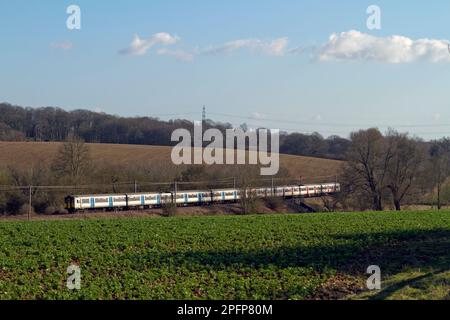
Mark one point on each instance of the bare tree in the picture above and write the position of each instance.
(368, 161)
(247, 182)
(440, 165)
(404, 166)
(72, 159)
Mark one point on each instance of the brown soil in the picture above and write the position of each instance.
(27, 154)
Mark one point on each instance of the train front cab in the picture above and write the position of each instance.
(70, 204)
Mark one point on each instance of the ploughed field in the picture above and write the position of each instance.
(317, 256)
(26, 154)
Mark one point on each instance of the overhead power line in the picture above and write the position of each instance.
(328, 124)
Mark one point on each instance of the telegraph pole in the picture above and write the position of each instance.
(29, 205)
(273, 191)
(203, 125)
(204, 115)
(175, 193)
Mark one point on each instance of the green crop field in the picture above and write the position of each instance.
(229, 257)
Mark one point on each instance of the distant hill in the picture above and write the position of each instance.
(25, 154)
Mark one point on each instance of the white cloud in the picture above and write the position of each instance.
(259, 116)
(139, 47)
(355, 45)
(275, 47)
(64, 46)
(177, 54)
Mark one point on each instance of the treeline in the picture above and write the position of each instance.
(55, 124)
(387, 171)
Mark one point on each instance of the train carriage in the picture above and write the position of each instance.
(144, 200)
(135, 200)
(195, 197)
(278, 192)
(152, 199)
(181, 198)
(288, 191)
(225, 195)
(261, 192)
(205, 197)
(91, 202)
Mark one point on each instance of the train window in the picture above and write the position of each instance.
(85, 201)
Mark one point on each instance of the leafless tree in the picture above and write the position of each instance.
(369, 157)
(72, 159)
(404, 166)
(247, 182)
(439, 165)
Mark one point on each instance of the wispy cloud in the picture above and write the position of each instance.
(355, 45)
(177, 54)
(275, 47)
(436, 116)
(64, 46)
(139, 46)
(259, 116)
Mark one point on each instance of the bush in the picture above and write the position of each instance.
(169, 209)
(274, 203)
(15, 204)
(50, 210)
(25, 209)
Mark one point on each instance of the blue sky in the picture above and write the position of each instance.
(273, 63)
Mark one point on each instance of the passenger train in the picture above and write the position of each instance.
(147, 200)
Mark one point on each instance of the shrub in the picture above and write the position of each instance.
(274, 203)
(15, 204)
(25, 209)
(169, 209)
